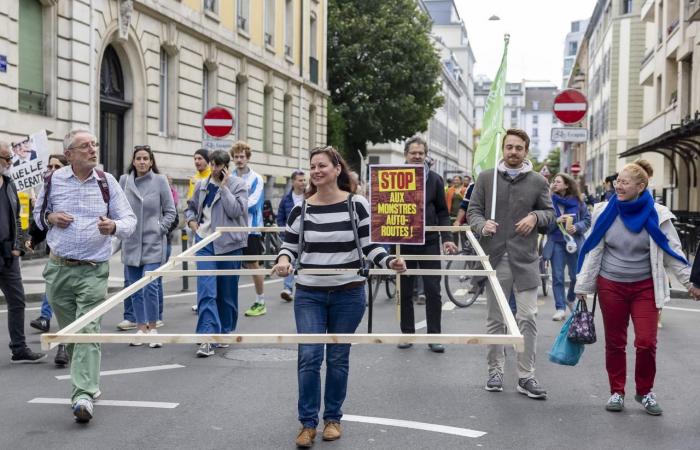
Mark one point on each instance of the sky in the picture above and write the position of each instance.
(537, 31)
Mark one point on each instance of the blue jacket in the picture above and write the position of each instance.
(284, 209)
(582, 222)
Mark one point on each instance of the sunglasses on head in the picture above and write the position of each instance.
(142, 147)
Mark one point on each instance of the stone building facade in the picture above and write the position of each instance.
(143, 72)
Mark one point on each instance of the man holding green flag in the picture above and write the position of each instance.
(509, 236)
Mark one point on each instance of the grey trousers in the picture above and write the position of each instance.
(526, 302)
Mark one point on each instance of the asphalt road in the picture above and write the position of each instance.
(245, 397)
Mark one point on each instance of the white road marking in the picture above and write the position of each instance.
(133, 404)
(134, 370)
(185, 294)
(36, 308)
(466, 432)
(422, 324)
(448, 306)
(676, 308)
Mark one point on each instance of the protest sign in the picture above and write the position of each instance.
(397, 204)
(29, 160)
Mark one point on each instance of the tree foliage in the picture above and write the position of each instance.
(383, 70)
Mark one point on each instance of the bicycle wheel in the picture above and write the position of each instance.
(463, 290)
(390, 287)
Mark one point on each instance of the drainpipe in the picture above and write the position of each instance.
(93, 106)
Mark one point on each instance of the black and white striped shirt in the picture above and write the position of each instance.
(329, 242)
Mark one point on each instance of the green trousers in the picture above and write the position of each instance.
(73, 291)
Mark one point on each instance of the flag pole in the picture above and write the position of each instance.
(495, 178)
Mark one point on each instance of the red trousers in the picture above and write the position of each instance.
(619, 302)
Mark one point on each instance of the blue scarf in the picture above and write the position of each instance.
(567, 204)
(635, 214)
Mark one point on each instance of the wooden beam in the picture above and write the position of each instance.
(229, 272)
(273, 257)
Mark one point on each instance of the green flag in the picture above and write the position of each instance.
(487, 149)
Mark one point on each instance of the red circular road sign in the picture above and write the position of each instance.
(576, 168)
(217, 122)
(570, 106)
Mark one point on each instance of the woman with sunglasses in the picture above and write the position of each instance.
(36, 237)
(328, 303)
(149, 195)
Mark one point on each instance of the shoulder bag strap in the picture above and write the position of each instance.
(351, 213)
(45, 203)
(300, 243)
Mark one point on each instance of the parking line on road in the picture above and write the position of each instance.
(247, 285)
(676, 308)
(126, 371)
(448, 306)
(422, 324)
(129, 403)
(466, 432)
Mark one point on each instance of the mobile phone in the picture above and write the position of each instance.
(222, 173)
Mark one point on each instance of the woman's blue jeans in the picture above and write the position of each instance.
(144, 302)
(325, 312)
(561, 258)
(217, 295)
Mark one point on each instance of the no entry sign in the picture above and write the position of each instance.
(217, 122)
(570, 106)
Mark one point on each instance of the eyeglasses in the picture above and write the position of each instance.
(85, 145)
(6, 158)
(623, 183)
(142, 147)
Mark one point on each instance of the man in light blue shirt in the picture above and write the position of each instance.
(82, 208)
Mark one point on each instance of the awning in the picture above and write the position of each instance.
(683, 140)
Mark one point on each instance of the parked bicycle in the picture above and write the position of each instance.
(463, 290)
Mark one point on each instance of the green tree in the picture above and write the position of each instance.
(383, 71)
(554, 160)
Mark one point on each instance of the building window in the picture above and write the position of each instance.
(205, 89)
(270, 22)
(211, 6)
(287, 136)
(573, 48)
(241, 108)
(243, 14)
(535, 119)
(535, 132)
(575, 26)
(626, 6)
(313, 61)
(312, 126)
(32, 97)
(513, 113)
(268, 118)
(163, 93)
(288, 27)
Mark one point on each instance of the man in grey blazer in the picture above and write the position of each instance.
(523, 204)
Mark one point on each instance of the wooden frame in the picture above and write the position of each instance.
(71, 333)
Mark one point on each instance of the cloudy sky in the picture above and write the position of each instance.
(537, 30)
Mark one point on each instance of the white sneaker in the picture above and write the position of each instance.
(137, 344)
(154, 344)
(205, 350)
(159, 323)
(126, 325)
(559, 315)
(194, 309)
(286, 295)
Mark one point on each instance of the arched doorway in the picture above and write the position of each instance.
(113, 108)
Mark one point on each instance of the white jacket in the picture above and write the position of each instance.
(586, 280)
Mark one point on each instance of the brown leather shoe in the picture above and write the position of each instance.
(305, 438)
(332, 431)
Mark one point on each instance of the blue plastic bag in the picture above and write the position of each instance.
(564, 351)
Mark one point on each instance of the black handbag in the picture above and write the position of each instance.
(582, 329)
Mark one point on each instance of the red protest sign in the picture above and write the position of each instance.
(397, 204)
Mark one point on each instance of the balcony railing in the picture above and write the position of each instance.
(313, 69)
(32, 101)
(671, 28)
(647, 57)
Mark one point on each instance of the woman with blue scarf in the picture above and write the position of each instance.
(564, 238)
(625, 259)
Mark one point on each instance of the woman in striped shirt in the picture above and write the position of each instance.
(327, 303)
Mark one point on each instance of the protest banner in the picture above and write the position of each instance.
(29, 160)
(397, 204)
